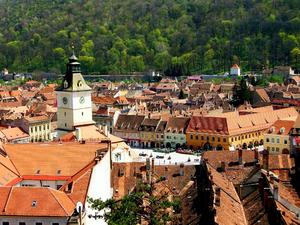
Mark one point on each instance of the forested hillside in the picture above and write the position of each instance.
(120, 36)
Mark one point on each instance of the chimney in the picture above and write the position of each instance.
(78, 134)
(265, 160)
(148, 172)
(217, 196)
(275, 191)
(240, 152)
(223, 166)
(181, 171)
(152, 165)
(256, 154)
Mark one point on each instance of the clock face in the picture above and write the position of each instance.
(81, 100)
(65, 100)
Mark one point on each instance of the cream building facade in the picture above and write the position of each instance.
(74, 104)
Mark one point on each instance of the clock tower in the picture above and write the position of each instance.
(74, 104)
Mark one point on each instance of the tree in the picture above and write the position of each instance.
(241, 93)
(144, 204)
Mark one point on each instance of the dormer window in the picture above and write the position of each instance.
(34, 203)
(66, 84)
(79, 84)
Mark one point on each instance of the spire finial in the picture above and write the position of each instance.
(73, 57)
(72, 46)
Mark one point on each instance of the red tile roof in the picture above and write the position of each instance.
(214, 125)
(27, 201)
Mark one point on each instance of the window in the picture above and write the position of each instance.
(267, 140)
(65, 114)
(40, 128)
(278, 140)
(38, 223)
(207, 138)
(213, 139)
(202, 138)
(65, 125)
(55, 223)
(5, 223)
(273, 149)
(82, 113)
(161, 136)
(22, 223)
(272, 140)
(277, 149)
(235, 138)
(196, 137)
(285, 142)
(35, 128)
(191, 137)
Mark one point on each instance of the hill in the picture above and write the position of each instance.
(118, 36)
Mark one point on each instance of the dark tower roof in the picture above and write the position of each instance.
(73, 80)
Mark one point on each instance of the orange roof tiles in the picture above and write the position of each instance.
(237, 124)
(37, 119)
(35, 202)
(49, 158)
(230, 211)
(213, 125)
(235, 66)
(282, 127)
(14, 133)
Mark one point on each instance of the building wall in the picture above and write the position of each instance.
(148, 139)
(36, 183)
(235, 71)
(15, 220)
(100, 187)
(226, 141)
(20, 140)
(276, 143)
(40, 131)
(73, 112)
(246, 138)
(174, 139)
(197, 140)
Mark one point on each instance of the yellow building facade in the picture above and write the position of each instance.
(277, 139)
(230, 131)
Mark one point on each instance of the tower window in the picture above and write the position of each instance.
(65, 124)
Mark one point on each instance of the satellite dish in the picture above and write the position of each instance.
(79, 207)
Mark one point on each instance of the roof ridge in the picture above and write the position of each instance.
(82, 170)
(13, 164)
(6, 202)
(224, 176)
(10, 169)
(52, 193)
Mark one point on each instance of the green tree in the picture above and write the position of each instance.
(141, 205)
